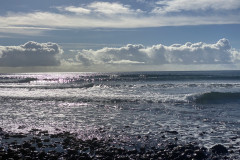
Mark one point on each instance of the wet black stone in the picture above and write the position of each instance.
(219, 149)
(204, 149)
(180, 148)
(34, 130)
(46, 140)
(43, 132)
(172, 132)
(21, 127)
(107, 153)
(231, 151)
(53, 136)
(174, 154)
(85, 149)
(38, 140)
(68, 147)
(18, 136)
(122, 157)
(32, 148)
(199, 154)
(121, 150)
(52, 145)
(233, 138)
(215, 158)
(84, 156)
(171, 146)
(57, 129)
(134, 151)
(189, 151)
(41, 155)
(72, 151)
(24, 151)
(67, 141)
(39, 144)
(142, 150)
(26, 145)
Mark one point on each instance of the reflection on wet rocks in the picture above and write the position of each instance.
(39, 144)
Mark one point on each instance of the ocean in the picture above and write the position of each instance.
(132, 107)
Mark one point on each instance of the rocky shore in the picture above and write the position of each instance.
(38, 144)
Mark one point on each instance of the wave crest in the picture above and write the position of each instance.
(218, 97)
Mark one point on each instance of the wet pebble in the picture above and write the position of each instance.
(26, 145)
(66, 146)
(172, 132)
(219, 149)
(46, 140)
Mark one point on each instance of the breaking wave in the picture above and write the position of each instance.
(106, 100)
(217, 98)
(203, 98)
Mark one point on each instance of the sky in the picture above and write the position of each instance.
(123, 35)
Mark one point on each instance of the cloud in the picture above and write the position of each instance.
(104, 8)
(118, 15)
(30, 54)
(110, 8)
(77, 10)
(125, 62)
(166, 6)
(127, 54)
(187, 54)
(33, 56)
(38, 22)
(96, 10)
(30, 31)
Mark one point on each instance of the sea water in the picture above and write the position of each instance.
(132, 107)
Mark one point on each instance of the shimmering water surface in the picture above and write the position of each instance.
(200, 106)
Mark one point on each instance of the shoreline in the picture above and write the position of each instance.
(39, 144)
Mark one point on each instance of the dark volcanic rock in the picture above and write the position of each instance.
(26, 145)
(219, 149)
(18, 136)
(199, 154)
(172, 132)
(65, 145)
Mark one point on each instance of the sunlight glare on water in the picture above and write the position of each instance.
(124, 105)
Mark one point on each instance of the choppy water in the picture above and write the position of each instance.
(200, 106)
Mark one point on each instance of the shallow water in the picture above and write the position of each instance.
(131, 107)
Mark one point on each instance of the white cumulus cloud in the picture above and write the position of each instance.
(127, 54)
(189, 53)
(30, 54)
